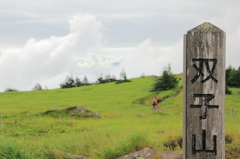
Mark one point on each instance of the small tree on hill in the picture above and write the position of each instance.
(77, 82)
(227, 73)
(100, 80)
(107, 78)
(113, 78)
(37, 87)
(166, 81)
(85, 81)
(68, 83)
(10, 90)
(123, 77)
(233, 77)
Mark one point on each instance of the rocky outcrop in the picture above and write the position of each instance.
(77, 112)
(145, 153)
(171, 155)
(75, 156)
(60, 154)
(148, 153)
(80, 109)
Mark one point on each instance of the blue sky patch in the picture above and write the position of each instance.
(115, 63)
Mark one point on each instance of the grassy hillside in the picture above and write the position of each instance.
(127, 122)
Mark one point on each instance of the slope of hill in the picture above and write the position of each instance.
(127, 122)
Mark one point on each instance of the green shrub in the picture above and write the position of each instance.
(10, 90)
(227, 90)
(228, 139)
(166, 82)
(122, 81)
(233, 77)
(11, 150)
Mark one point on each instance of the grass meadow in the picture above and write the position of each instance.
(127, 122)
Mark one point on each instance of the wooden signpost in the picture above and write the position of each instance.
(204, 93)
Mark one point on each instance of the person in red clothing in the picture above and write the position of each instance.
(154, 103)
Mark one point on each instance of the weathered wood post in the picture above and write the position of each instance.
(204, 92)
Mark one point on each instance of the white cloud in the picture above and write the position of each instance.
(49, 59)
(150, 59)
(100, 61)
(117, 49)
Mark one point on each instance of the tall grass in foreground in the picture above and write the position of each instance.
(99, 138)
(10, 149)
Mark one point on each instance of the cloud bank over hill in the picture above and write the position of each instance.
(150, 59)
(49, 60)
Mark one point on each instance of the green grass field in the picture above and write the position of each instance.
(127, 122)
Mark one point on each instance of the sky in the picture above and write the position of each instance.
(46, 41)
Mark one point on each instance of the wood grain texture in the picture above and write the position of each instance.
(206, 45)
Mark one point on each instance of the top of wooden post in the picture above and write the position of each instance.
(206, 27)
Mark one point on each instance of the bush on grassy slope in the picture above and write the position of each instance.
(166, 82)
(10, 90)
